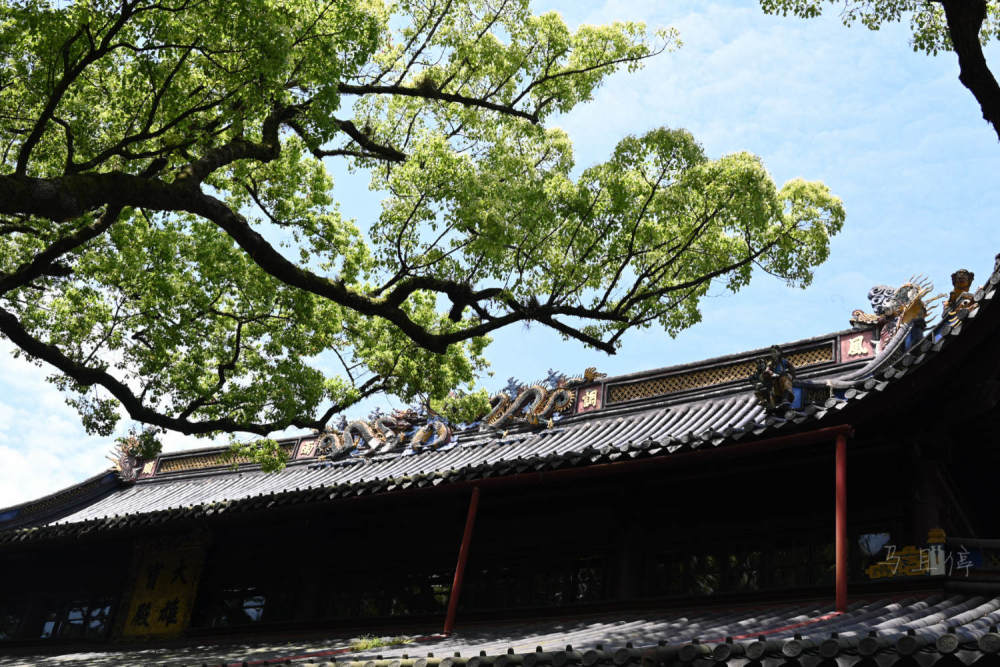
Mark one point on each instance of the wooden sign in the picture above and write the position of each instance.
(163, 589)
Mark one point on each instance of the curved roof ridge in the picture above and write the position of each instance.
(662, 426)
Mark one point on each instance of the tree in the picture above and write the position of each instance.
(171, 245)
(962, 26)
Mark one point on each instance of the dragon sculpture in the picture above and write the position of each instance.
(361, 437)
(425, 431)
(124, 460)
(432, 435)
(895, 308)
(381, 435)
(535, 403)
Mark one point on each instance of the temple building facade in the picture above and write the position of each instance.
(827, 499)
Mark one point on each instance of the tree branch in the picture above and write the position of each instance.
(71, 72)
(387, 152)
(86, 376)
(430, 93)
(42, 263)
(72, 196)
(240, 149)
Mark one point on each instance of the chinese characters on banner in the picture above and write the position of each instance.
(930, 560)
(164, 589)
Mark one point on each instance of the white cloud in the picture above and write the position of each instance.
(42, 446)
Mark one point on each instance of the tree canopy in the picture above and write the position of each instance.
(170, 239)
(962, 26)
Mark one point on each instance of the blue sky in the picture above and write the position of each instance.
(892, 132)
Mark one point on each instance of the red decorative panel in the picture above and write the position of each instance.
(858, 345)
(307, 449)
(588, 398)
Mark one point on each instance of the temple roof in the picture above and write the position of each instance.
(927, 627)
(658, 414)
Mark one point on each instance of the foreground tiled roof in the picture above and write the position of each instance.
(686, 417)
(927, 628)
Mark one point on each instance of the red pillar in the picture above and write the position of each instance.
(463, 556)
(841, 522)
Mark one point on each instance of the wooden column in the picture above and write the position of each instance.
(463, 557)
(841, 522)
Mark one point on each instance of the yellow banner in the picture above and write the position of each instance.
(164, 589)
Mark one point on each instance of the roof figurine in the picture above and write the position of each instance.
(133, 452)
(124, 459)
(773, 381)
(960, 297)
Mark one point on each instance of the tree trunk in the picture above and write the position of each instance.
(965, 18)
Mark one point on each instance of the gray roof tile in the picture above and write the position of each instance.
(888, 629)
